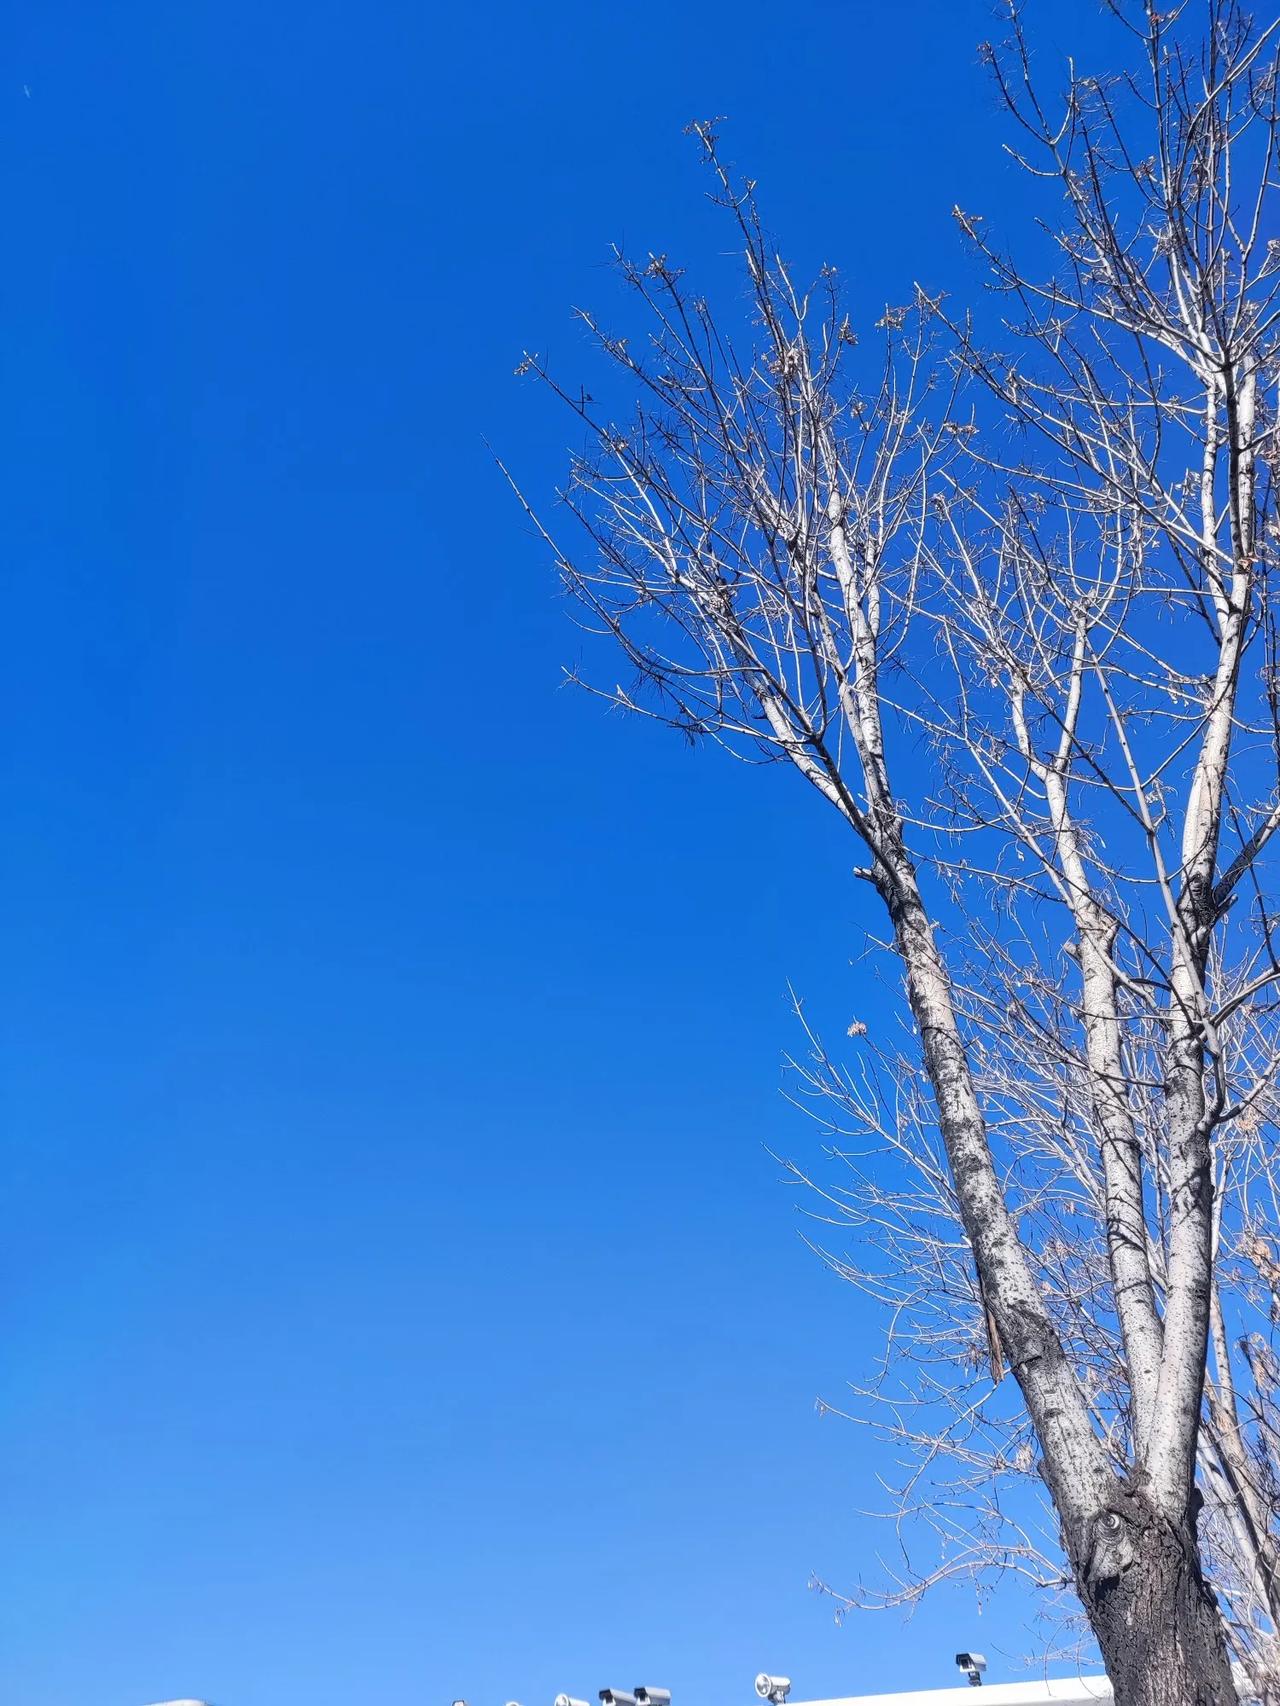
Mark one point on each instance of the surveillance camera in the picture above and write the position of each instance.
(773, 1688)
(617, 1697)
(568, 1700)
(972, 1665)
(653, 1696)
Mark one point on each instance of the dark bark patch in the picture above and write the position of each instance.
(1156, 1620)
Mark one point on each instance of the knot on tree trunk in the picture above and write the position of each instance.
(1157, 1622)
(1119, 1536)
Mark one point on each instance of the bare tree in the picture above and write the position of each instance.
(969, 1466)
(1042, 542)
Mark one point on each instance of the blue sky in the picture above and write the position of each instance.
(400, 1302)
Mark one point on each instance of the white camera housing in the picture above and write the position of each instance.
(972, 1665)
(653, 1696)
(568, 1700)
(774, 1688)
(617, 1697)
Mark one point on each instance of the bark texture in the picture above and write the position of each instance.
(1157, 1621)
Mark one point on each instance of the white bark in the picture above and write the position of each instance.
(1080, 605)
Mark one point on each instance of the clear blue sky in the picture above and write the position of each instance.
(400, 1303)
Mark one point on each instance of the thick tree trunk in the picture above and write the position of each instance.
(1155, 1619)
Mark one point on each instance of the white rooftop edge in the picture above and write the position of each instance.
(1063, 1691)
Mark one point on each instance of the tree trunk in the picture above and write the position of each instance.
(1156, 1620)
